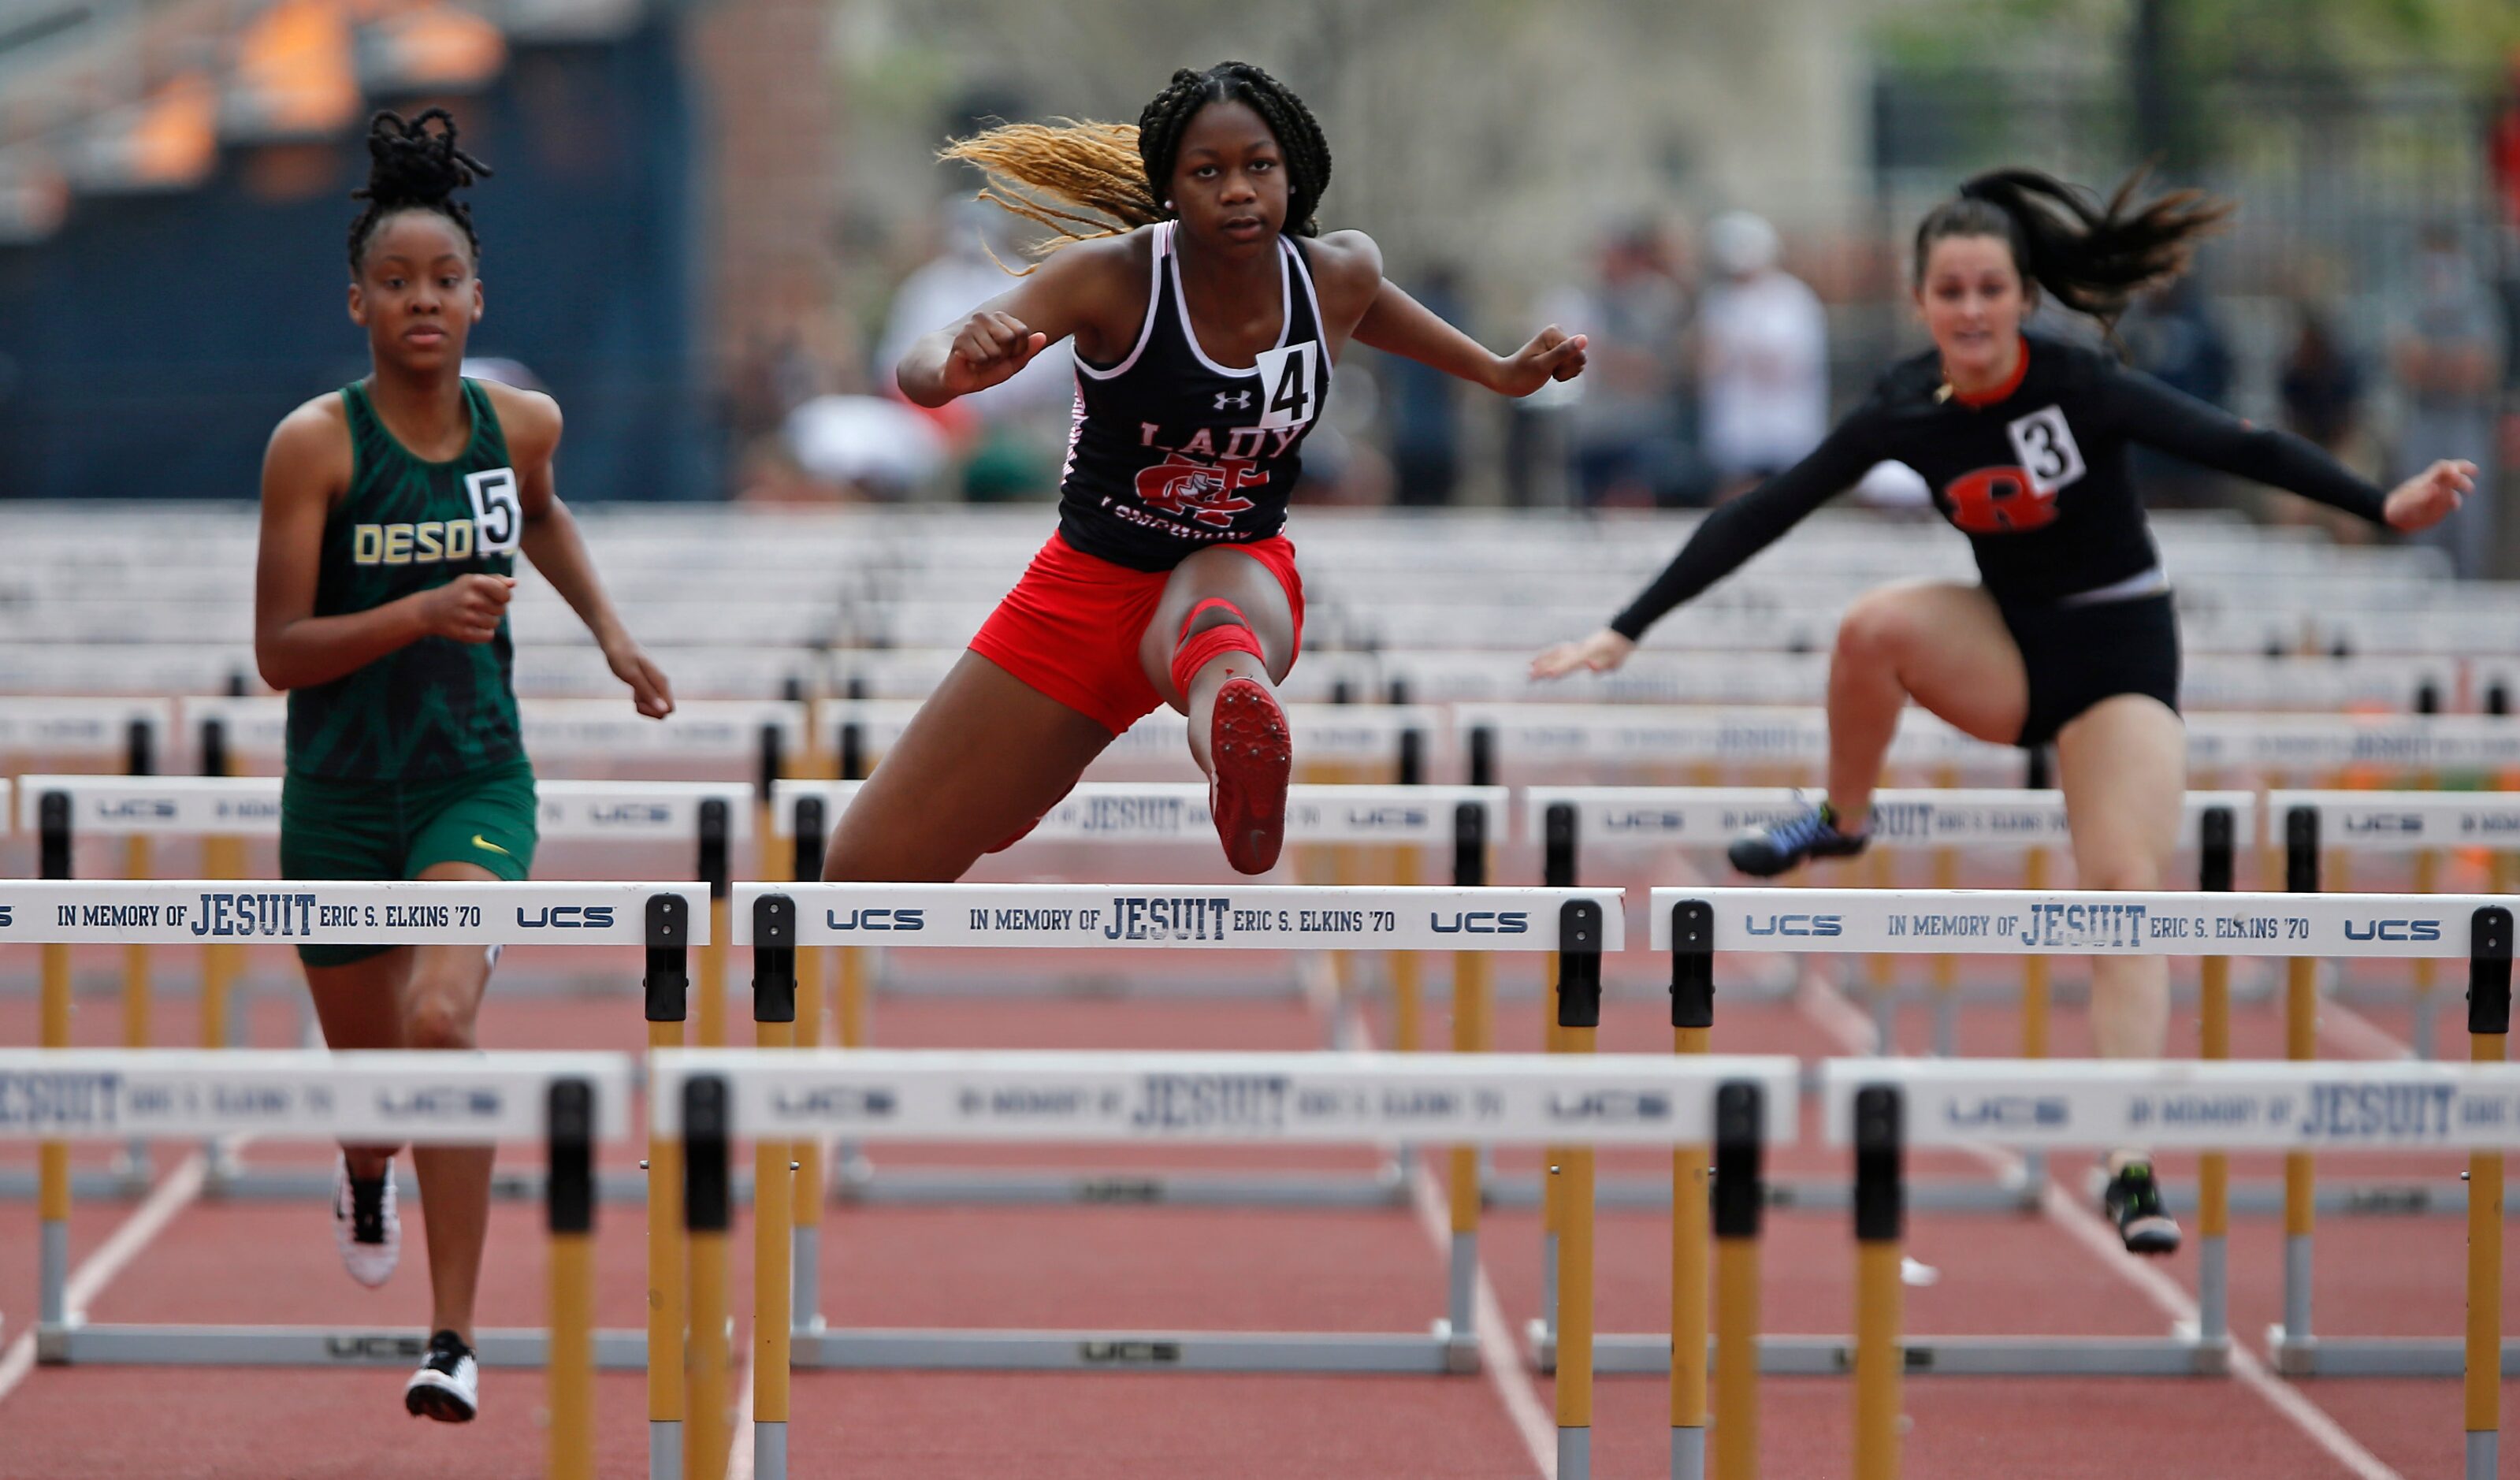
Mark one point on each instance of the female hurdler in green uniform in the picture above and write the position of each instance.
(392, 512)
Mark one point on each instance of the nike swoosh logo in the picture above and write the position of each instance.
(478, 841)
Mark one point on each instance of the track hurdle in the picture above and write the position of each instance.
(568, 1102)
(1883, 1106)
(1904, 819)
(1575, 924)
(310, 1095)
(55, 915)
(2425, 825)
(1406, 818)
(139, 808)
(1224, 1098)
(2065, 922)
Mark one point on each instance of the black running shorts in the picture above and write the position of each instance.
(2078, 655)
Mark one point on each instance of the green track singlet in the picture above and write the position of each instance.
(437, 707)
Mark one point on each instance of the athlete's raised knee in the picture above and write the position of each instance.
(1877, 629)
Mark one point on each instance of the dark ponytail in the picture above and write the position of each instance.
(409, 168)
(2093, 258)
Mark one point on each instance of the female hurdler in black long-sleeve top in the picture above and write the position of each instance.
(2033, 471)
(2069, 636)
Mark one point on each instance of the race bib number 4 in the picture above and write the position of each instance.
(1291, 385)
(498, 514)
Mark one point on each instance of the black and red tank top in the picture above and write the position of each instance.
(1172, 452)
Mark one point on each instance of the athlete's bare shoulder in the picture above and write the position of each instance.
(1095, 290)
(310, 448)
(528, 419)
(1347, 272)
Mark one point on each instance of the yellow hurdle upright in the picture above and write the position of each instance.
(668, 990)
(1578, 1021)
(2489, 1026)
(1740, 1198)
(569, 1194)
(774, 1017)
(706, 1217)
(1692, 1020)
(1879, 1226)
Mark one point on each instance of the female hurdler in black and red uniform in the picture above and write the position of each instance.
(1206, 323)
(2068, 635)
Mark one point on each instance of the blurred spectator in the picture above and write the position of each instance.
(1627, 444)
(2173, 336)
(867, 446)
(2320, 384)
(1763, 357)
(1010, 437)
(2448, 364)
(1425, 406)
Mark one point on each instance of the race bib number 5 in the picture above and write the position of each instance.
(1291, 385)
(498, 514)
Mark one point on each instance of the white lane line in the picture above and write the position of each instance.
(2085, 1227)
(2101, 1241)
(167, 1198)
(1532, 1420)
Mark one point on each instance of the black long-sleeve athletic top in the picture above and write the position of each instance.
(2033, 472)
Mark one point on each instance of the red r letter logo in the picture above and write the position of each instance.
(1999, 501)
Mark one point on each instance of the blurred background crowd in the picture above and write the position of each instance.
(713, 227)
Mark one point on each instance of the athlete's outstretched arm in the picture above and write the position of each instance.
(1399, 324)
(1722, 542)
(550, 539)
(1357, 303)
(307, 465)
(1074, 292)
(2157, 416)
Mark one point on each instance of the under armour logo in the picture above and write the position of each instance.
(1239, 400)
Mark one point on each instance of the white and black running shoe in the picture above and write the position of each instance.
(448, 1385)
(2134, 1202)
(365, 1224)
(1786, 845)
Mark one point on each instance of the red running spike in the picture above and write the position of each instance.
(1252, 752)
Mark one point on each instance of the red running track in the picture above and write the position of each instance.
(1337, 1271)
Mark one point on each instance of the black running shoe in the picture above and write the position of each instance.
(2134, 1201)
(1773, 850)
(448, 1385)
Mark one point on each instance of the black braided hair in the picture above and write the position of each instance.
(2095, 257)
(409, 168)
(1308, 154)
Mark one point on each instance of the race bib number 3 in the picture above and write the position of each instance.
(1291, 385)
(2046, 446)
(498, 514)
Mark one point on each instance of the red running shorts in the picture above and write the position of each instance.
(1071, 627)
